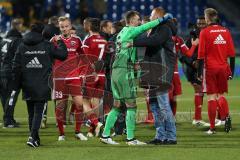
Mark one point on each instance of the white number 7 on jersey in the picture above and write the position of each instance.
(102, 47)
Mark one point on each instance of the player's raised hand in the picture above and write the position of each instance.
(57, 38)
(195, 42)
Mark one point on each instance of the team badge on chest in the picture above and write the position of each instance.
(73, 43)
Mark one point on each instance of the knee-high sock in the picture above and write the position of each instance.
(59, 111)
(212, 109)
(93, 118)
(131, 122)
(72, 110)
(198, 101)
(78, 119)
(150, 115)
(111, 119)
(223, 107)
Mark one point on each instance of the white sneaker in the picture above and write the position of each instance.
(206, 124)
(108, 140)
(135, 142)
(61, 138)
(114, 134)
(218, 122)
(199, 123)
(90, 134)
(98, 129)
(210, 132)
(81, 137)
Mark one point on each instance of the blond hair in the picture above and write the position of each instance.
(211, 14)
(63, 18)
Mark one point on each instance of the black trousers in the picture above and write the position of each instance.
(35, 114)
(6, 97)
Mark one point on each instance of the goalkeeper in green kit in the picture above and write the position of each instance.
(123, 80)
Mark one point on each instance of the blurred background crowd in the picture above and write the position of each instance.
(186, 11)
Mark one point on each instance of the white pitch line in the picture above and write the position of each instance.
(145, 112)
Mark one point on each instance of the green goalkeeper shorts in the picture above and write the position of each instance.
(123, 85)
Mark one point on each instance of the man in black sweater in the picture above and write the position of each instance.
(32, 66)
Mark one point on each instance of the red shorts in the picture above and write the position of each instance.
(216, 80)
(176, 88)
(94, 88)
(74, 86)
(64, 87)
(60, 90)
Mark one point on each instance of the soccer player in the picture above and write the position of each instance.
(215, 46)
(191, 70)
(176, 88)
(94, 49)
(61, 70)
(123, 82)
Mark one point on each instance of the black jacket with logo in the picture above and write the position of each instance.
(32, 66)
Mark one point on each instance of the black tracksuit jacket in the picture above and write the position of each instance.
(32, 66)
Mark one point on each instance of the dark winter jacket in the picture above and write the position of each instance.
(32, 65)
(160, 57)
(8, 48)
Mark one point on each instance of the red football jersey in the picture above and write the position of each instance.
(215, 46)
(74, 47)
(94, 47)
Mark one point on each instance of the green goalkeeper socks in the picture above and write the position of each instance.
(111, 119)
(130, 122)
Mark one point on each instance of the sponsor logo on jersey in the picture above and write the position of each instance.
(218, 30)
(220, 40)
(71, 49)
(34, 63)
(35, 52)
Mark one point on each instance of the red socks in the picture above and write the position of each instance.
(223, 107)
(78, 119)
(149, 112)
(59, 111)
(72, 108)
(93, 118)
(212, 109)
(198, 100)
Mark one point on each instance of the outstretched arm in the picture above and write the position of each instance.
(140, 29)
(155, 39)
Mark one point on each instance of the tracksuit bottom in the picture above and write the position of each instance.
(35, 114)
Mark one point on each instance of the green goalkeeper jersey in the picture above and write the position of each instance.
(126, 57)
(123, 77)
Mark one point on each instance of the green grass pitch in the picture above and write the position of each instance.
(193, 143)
